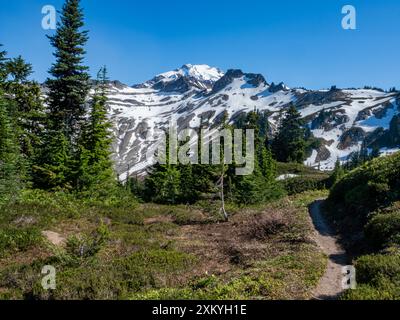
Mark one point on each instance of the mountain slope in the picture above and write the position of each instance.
(197, 95)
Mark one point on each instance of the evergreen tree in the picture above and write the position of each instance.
(26, 107)
(136, 187)
(376, 152)
(95, 167)
(189, 189)
(337, 173)
(55, 172)
(69, 85)
(289, 144)
(3, 63)
(10, 181)
(260, 186)
(18, 70)
(68, 91)
(267, 164)
(163, 182)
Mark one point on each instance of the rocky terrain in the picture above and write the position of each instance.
(198, 95)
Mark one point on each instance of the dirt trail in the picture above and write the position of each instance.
(330, 285)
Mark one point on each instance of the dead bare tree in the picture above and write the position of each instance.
(220, 184)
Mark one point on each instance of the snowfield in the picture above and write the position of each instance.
(197, 95)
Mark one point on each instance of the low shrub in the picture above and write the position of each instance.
(373, 184)
(13, 239)
(383, 229)
(372, 268)
(384, 291)
(305, 183)
(87, 245)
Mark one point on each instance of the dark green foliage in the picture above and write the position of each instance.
(394, 131)
(163, 184)
(363, 205)
(289, 144)
(26, 108)
(190, 183)
(377, 278)
(384, 229)
(190, 190)
(337, 174)
(3, 61)
(69, 86)
(260, 186)
(371, 268)
(136, 187)
(10, 161)
(18, 69)
(305, 183)
(375, 184)
(54, 167)
(255, 189)
(68, 90)
(76, 151)
(360, 157)
(95, 167)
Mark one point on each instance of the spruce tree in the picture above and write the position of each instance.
(69, 85)
(96, 166)
(289, 144)
(55, 172)
(19, 70)
(337, 173)
(3, 63)
(68, 90)
(260, 186)
(10, 181)
(26, 106)
(163, 182)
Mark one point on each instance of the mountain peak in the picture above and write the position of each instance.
(199, 72)
(199, 76)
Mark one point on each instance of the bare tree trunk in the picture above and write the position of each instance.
(223, 196)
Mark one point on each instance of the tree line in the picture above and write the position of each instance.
(61, 140)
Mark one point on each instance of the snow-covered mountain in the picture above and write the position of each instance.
(199, 95)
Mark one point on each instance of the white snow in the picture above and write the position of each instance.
(201, 72)
(286, 176)
(152, 109)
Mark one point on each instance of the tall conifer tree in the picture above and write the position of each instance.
(9, 156)
(68, 90)
(95, 160)
(289, 144)
(69, 85)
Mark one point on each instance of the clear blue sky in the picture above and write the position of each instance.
(298, 42)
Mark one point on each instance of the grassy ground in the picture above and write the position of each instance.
(145, 251)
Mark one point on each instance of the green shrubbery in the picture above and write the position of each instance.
(307, 179)
(363, 204)
(374, 184)
(384, 229)
(378, 278)
(305, 183)
(17, 239)
(94, 279)
(372, 268)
